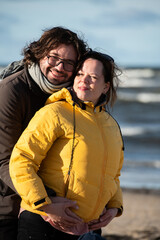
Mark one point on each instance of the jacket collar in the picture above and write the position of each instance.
(85, 104)
(70, 96)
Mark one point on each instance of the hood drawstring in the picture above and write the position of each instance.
(73, 147)
(74, 130)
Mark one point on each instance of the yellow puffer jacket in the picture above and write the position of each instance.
(42, 156)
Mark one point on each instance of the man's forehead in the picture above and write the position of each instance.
(65, 51)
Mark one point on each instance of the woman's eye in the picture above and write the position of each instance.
(94, 77)
(79, 74)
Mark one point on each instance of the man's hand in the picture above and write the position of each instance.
(60, 213)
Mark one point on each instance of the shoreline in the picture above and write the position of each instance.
(140, 219)
(141, 190)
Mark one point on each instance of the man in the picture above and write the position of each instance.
(48, 66)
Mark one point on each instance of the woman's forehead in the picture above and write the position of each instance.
(93, 66)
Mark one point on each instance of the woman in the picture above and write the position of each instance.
(74, 147)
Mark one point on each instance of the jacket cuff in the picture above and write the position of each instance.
(120, 211)
(117, 205)
(41, 202)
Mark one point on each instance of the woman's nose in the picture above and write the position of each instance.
(85, 79)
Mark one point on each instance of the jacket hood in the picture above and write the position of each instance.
(69, 96)
(63, 94)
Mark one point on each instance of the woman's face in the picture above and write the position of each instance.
(89, 83)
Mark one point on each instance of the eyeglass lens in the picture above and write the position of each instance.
(54, 61)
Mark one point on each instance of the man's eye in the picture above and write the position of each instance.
(55, 58)
(70, 63)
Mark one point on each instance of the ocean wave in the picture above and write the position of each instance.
(139, 97)
(139, 83)
(140, 78)
(141, 73)
(143, 164)
(132, 131)
(139, 129)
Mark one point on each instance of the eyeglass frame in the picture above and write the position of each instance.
(61, 60)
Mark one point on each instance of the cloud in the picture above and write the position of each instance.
(140, 18)
(122, 18)
(124, 28)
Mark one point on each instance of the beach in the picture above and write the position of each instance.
(137, 112)
(140, 219)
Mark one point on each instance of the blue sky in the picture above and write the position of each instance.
(129, 30)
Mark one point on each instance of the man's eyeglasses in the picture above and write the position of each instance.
(55, 61)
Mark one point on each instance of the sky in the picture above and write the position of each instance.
(128, 30)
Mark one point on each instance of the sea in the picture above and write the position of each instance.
(137, 110)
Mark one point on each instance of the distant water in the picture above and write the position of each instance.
(138, 112)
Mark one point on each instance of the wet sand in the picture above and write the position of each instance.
(140, 219)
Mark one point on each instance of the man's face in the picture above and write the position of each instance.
(58, 65)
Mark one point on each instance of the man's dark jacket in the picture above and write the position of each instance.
(20, 98)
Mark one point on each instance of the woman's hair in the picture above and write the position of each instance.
(110, 70)
(50, 40)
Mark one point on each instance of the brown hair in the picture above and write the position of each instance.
(110, 70)
(51, 39)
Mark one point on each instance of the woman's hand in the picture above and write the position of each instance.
(104, 219)
(60, 214)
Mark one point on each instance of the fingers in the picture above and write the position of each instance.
(60, 213)
(71, 204)
(105, 218)
(109, 213)
(98, 225)
(73, 215)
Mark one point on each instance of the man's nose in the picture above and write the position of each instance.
(60, 66)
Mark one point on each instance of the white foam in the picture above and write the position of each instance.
(139, 97)
(132, 131)
(138, 129)
(139, 78)
(141, 73)
(140, 163)
(138, 83)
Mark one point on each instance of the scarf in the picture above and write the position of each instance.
(43, 82)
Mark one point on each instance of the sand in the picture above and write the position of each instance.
(140, 219)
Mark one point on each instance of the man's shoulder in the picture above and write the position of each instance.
(16, 79)
(15, 85)
(12, 68)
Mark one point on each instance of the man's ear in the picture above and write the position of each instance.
(106, 88)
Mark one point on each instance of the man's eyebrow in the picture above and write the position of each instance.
(70, 60)
(66, 59)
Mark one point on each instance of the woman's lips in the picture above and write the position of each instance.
(83, 88)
